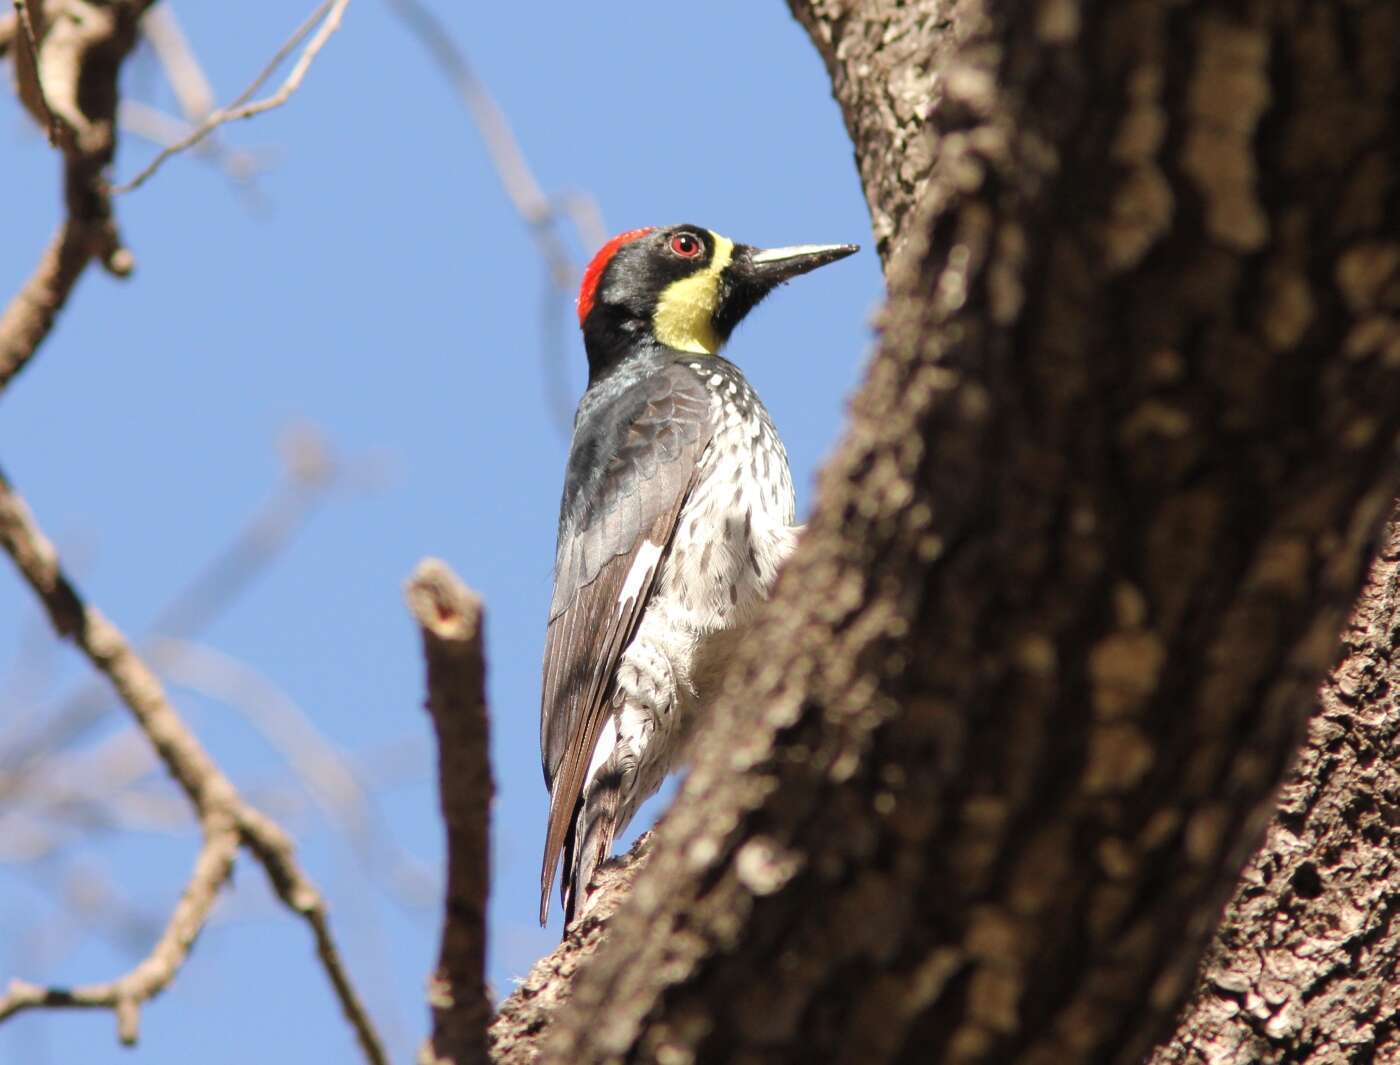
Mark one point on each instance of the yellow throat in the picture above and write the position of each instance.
(684, 317)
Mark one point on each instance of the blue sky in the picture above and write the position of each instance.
(386, 294)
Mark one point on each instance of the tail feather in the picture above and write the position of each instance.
(590, 842)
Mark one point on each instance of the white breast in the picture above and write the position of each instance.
(734, 531)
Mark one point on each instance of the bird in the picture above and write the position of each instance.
(678, 509)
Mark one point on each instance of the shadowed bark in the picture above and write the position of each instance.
(1021, 701)
(1304, 965)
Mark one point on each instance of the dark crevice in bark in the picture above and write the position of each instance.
(1019, 706)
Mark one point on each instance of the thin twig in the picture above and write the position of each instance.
(554, 332)
(449, 616)
(152, 124)
(100, 910)
(98, 788)
(182, 69)
(275, 851)
(220, 808)
(539, 213)
(312, 471)
(334, 783)
(328, 15)
(153, 974)
(586, 215)
(517, 179)
(196, 99)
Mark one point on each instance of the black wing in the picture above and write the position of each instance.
(631, 470)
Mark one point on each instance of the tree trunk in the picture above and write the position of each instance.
(1023, 696)
(888, 64)
(1304, 965)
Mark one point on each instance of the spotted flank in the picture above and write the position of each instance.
(677, 512)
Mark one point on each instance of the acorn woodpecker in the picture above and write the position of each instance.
(678, 509)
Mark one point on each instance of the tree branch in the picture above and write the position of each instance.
(886, 117)
(451, 622)
(182, 69)
(1022, 696)
(312, 470)
(196, 99)
(78, 44)
(540, 214)
(27, 70)
(151, 124)
(325, 19)
(1302, 967)
(126, 994)
(30, 315)
(518, 181)
(337, 786)
(221, 810)
(517, 1031)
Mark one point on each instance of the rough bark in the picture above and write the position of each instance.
(888, 64)
(525, 1015)
(1304, 965)
(1019, 707)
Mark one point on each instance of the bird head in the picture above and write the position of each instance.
(683, 287)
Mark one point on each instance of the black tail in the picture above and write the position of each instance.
(590, 840)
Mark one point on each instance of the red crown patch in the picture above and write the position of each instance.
(589, 288)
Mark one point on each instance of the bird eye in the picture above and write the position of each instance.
(686, 245)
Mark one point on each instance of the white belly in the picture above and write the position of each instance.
(734, 533)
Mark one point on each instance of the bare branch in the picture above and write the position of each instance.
(85, 49)
(517, 179)
(312, 470)
(30, 315)
(539, 212)
(182, 69)
(450, 618)
(152, 124)
(126, 994)
(221, 809)
(27, 70)
(195, 96)
(326, 19)
(104, 786)
(275, 851)
(586, 215)
(335, 785)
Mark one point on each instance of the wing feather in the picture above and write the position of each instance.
(612, 547)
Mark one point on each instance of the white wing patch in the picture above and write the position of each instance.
(642, 565)
(603, 749)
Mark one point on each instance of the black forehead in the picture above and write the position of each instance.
(655, 243)
(649, 263)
